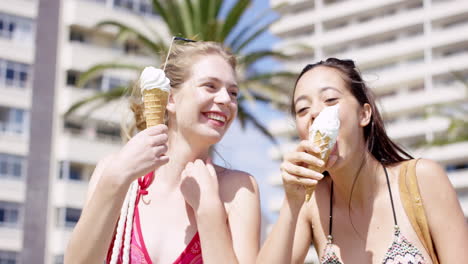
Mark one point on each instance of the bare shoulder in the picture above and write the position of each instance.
(431, 176)
(233, 183)
(434, 185)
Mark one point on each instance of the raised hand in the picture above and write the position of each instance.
(200, 185)
(144, 153)
(298, 173)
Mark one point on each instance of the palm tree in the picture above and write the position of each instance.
(201, 19)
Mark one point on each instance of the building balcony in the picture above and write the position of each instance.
(24, 8)
(380, 26)
(404, 47)
(13, 143)
(287, 5)
(13, 97)
(88, 14)
(81, 56)
(391, 78)
(11, 239)
(114, 112)
(459, 179)
(455, 153)
(83, 149)
(16, 50)
(415, 128)
(407, 103)
(59, 240)
(12, 190)
(309, 16)
(302, 21)
(69, 193)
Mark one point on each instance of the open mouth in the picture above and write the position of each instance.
(217, 118)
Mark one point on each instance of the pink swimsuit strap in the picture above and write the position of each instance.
(138, 252)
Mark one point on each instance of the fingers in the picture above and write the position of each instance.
(158, 140)
(308, 146)
(162, 160)
(159, 150)
(210, 166)
(304, 157)
(293, 179)
(156, 130)
(199, 166)
(300, 171)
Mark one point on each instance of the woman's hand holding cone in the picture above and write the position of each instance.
(296, 172)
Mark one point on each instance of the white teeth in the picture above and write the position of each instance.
(216, 117)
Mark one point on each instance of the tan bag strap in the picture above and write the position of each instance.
(414, 208)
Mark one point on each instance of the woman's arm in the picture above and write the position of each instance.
(290, 238)
(447, 222)
(240, 190)
(92, 234)
(108, 186)
(282, 244)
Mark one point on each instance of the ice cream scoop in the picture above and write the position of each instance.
(324, 131)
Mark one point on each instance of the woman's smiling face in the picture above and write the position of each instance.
(207, 102)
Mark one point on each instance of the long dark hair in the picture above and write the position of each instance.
(378, 143)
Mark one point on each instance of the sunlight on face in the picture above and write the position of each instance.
(207, 101)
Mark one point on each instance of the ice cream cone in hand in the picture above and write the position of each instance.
(155, 88)
(323, 132)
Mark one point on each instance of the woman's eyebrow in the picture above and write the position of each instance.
(302, 97)
(214, 79)
(323, 89)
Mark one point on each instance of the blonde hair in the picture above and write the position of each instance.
(178, 70)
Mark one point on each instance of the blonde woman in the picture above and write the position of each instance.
(194, 211)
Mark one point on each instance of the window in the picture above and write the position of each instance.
(72, 215)
(68, 217)
(75, 173)
(12, 166)
(131, 47)
(76, 35)
(107, 131)
(109, 83)
(71, 171)
(9, 257)
(58, 259)
(9, 214)
(13, 120)
(16, 28)
(14, 74)
(143, 7)
(72, 77)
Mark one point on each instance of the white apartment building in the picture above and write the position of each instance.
(407, 51)
(78, 143)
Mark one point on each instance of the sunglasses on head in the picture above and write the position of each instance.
(170, 47)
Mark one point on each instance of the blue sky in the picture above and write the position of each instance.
(247, 149)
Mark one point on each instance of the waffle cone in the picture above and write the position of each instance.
(322, 142)
(155, 101)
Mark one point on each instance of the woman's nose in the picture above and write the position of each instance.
(315, 111)
(222, 96)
